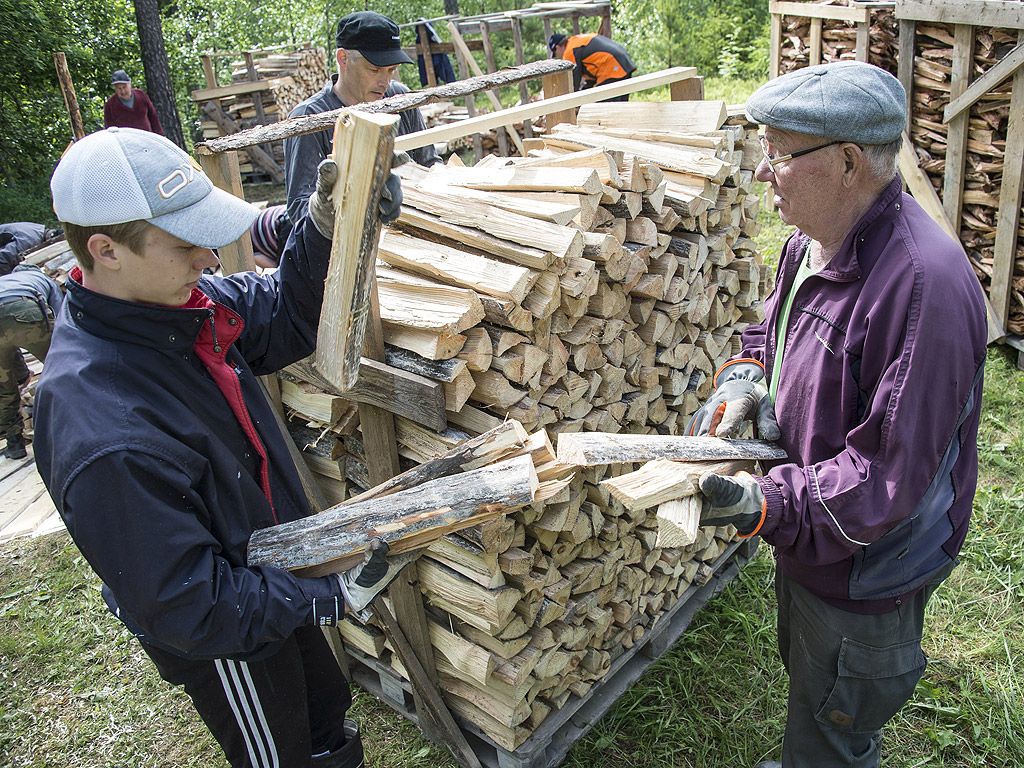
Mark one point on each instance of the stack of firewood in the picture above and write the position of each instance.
(290, 76)
(299, 74)
(839, 40)
(985, 146)
(592, 286)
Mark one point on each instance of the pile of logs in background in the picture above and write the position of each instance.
(294, 75)
(594, 286)
(985, 146)
(839, 40)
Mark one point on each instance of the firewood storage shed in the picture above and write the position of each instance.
(960, 63)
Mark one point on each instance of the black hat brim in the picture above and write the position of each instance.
(386, 58)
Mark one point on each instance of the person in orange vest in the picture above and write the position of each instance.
(599, 60)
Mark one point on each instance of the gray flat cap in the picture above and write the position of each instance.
(844, 100)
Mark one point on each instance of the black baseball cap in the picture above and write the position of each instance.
(374, 36)
(554, 41)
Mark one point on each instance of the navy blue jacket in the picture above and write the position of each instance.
(157, 480)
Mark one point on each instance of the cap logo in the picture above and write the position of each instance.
(176, 181)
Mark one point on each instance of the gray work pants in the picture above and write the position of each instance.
(23, 325)
(848, 674)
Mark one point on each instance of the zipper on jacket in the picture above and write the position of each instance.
(213, 332)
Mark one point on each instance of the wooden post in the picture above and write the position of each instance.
(558, 84)
(775, 46)
(517, 42)
(478, 147)
(907, 32)
(606, 21)
(67, 88)
(863, 40)
(956, 140)
(575, 23)
(485, 36)
(815, 42)
(223, 172)
(691, 89)
(257, 97)
(466, 57)
(423, 43)
(210, 74)
(1009, 204)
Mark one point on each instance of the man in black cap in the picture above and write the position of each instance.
(369, 54)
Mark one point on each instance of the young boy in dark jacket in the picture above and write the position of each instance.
(162, 454)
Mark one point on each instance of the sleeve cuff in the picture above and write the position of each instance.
(326, 601)
(774, 506)
(751, 370)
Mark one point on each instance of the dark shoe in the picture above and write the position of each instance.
(15, 448)
(349, 756)
(769, 764)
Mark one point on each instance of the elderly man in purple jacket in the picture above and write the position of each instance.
(868, 370)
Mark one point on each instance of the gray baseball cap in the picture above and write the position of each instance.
(123, 174)
(119, 76)
(844, 100)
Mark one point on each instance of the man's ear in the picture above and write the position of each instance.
(342, 56)
(853, 161)
(103, 253)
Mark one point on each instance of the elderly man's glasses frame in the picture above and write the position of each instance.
(774, 161)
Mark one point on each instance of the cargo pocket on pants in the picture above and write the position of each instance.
(872, 685)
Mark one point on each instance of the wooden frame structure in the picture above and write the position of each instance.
(965, 18)
(859, 13)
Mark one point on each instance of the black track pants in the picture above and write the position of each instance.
(273, 713)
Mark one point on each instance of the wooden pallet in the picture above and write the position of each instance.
(550, 743)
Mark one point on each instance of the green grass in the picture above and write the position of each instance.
(76, 690)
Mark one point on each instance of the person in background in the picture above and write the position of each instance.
(868, 369)
(29, 300)
(130, 107)
(368, 56)
(18, 237)
(162, 454)
(599, 60)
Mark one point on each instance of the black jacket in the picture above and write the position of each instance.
(154, 475)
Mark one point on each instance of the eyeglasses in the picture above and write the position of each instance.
(774, 161)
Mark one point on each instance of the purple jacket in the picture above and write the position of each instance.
(879, 403)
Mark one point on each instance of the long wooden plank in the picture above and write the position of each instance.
(335, 540)
(589, 449)
(1007, 67)
(538, 108)
(297, 126)
(1009, 204)
(956, 137)
(991, 13)
(362, 150)
(677, 116)
(907, 34)
(817, 11)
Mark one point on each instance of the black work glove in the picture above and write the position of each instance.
(321, 202)
(364, 582)
(736, 500)
(740, 396)
(390, 205)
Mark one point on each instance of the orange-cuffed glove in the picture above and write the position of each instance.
(736, 500)
(740, 396)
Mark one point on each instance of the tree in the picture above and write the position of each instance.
(158, 71)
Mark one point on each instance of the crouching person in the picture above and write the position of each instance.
(162, 454)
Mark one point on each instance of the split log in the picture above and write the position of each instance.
(362, 150)
(334, 540)
(590, 449)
